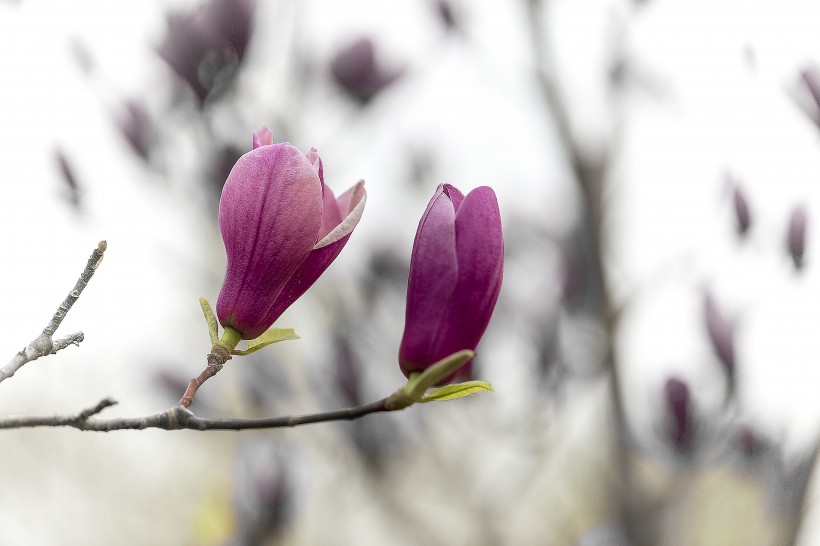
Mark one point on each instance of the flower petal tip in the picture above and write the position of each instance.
(262, 137)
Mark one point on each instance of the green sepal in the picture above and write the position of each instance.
(210, 318)
(418, 383)
(457, 390)
(272, 335)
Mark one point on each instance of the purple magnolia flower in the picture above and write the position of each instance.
(796, 237)
(676, 396)
(455, 277)
(355, 69)
(282, 227)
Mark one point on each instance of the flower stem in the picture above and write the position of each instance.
(219, 355)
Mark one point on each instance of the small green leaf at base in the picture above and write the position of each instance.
(459, 390)
(210, 318)
(272, 335)
(418, 383)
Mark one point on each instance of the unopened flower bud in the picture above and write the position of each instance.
(282, 227)
(455, 277)
(355, 69)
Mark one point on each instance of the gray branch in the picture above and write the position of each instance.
(44, 344)
(179, 417)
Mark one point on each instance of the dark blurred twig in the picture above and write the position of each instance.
(589, 173)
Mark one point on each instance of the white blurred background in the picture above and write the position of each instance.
(120, 121)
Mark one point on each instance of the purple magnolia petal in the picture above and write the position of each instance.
(433, 277)
(796, 237)
(269, 216)
(322, 254)
(351, 205)
(262, 137)
(316, 161)
(676, 395)
(331, 215)
(480, 254)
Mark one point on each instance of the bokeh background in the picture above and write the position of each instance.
(654, 348)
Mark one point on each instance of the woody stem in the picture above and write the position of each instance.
(219, 355)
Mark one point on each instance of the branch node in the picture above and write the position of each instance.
(106, 402)
(179, 416)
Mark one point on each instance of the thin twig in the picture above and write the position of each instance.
(217, 358)
(178, 417)
(43, 344)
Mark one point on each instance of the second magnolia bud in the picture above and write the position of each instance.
(455, 277)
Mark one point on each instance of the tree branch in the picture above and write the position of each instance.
(43, 344)
(589, 173)
(179, 417)
(175, 418)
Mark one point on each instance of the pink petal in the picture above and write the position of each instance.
(262, 137)
(322, 255)
(269, 215)
(433, 277)
(480, 253)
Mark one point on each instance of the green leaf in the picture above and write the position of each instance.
(459, 390)
(272, 335)
(418, 384)
(210, 318)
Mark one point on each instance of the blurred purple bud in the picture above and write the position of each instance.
(262, 492)
(68, 176)
(676, 397)
(749, 442)
(455, 277)
(446, 14)
(810, 77)
(355, 69)
(206, 47)
(796, 237)
(135, 125)
(721, 334)
(742, 213)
